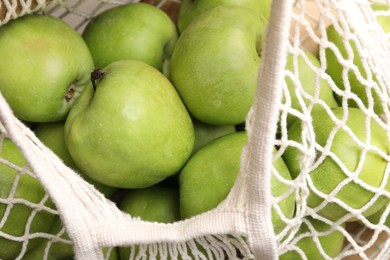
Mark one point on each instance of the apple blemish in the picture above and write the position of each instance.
(97, 74)
(69, 94)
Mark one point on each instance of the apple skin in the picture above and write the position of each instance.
(383, 20)
(215, 63)
(53, 136)
(133, 131)
(157, 203)
(208, 176)
(205, 133)
(29, 189)
(137, 31)
(45, 65)
(376, 218)
(191, 9)
(328, 174)
(308, 79)
(279, 189)
(331, 243)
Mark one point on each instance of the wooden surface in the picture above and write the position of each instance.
(365, 235)
(170, 7)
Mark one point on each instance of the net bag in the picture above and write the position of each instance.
(321, 106)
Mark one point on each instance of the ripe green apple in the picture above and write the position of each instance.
(16, 214)
(367, 166)
(45, 65)
(215, 63)
(205, 133)
(209, 175)
(335, 69)
(137, 31)
(376, 218)
(156, 204)
(331, 241)
(53, 136)
(191, 9)
(133, 130)
(313, 86)
(383, 20)
(280, 189)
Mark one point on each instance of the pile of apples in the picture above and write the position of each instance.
(152, 113)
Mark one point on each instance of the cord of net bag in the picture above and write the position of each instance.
(241, 227)
(11, 9)
(322, 128)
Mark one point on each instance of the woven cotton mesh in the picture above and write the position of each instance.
(11, 9)
(359, 236)
(319, 161)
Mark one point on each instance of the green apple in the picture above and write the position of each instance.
(205, 133)
(45, 65)
(376, 218)
(209, 175)
(318, 235)
(113, 253)
(383, 20)
(156, 204)
(215, 63)
(312, 88)
(137, 31)
(326, 172)
(191, 9)
(133, 130)
(337, 71)
(279, 189)
(15, 215)
(53, 136)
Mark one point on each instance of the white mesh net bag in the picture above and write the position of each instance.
(321, 106)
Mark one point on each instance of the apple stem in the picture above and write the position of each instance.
(97, 74)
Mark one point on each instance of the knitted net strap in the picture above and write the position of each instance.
(261, 127)
(11, 9)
